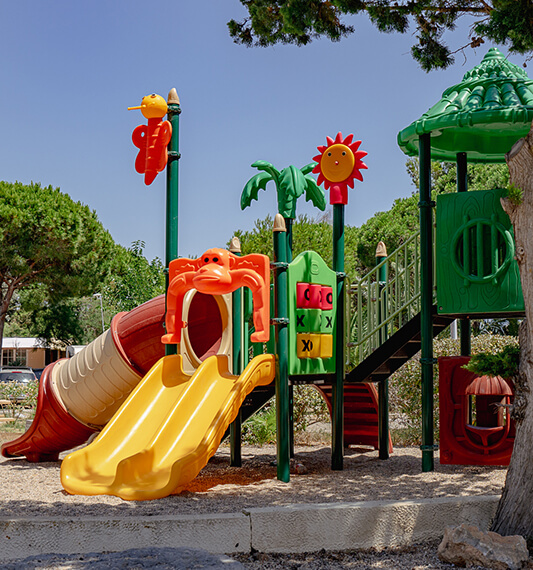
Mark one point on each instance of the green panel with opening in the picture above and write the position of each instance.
(476, 270)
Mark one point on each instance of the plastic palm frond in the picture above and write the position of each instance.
(308, 168)
(267, 167)
(258, 182)
(251, 189)
(291, 186)
(314, 193)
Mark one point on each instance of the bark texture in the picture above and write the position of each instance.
(515, 511)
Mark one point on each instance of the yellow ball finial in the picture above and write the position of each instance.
(152, 106)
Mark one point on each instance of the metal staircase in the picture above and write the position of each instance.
(384, 317)
(383, 333)
(395, 351)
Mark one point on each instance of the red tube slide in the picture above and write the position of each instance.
(78, 396)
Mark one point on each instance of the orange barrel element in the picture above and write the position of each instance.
(93, 384)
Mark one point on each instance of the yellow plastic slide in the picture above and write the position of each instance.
(166, 431)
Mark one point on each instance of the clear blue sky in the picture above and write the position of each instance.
(70, 69)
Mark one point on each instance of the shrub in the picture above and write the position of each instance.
(309, 408)
(503, 363)
(21, 397)
(260, 429)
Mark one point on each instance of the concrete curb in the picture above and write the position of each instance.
(372, 524)
(294, 528)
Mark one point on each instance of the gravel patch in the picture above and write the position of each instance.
(34, 490)
(415, 557)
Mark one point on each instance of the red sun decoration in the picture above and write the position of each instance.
(339, 162)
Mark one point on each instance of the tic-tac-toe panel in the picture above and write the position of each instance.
(312, 312)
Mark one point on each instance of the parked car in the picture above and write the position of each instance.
(17, 374)
(38, 372)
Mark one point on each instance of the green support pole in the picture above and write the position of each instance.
(383, 387)
(462, 186)
(282, 349)
(288, 225)
(337, 435)
(235, 429)
(171, 236)
(426, 282)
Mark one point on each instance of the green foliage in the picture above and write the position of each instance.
(515, 194)
(260, 429)
(405, 386)
(259, 239)
(487, 176)
(393, 227)
(510, 22)
(21, 397)
(51, 242)
(309, 408)
(507, 22)
(297, 22)
(134, 281)
(58, 321)
(444, 179)
(48, 238)
(308, 234)
(72, 320)
(503, 363)
(399, 223)
(290, 183)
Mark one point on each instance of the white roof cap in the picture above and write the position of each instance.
(16, 342)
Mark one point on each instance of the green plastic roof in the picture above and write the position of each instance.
(484, 115)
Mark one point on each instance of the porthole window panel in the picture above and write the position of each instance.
(476, 270)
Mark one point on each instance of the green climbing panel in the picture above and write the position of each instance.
(476, 270)
(312, 307)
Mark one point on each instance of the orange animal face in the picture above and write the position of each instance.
(213, 272)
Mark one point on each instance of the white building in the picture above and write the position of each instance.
(28, 352)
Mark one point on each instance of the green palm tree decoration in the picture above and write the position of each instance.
(290, 183)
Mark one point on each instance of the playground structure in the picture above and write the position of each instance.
(128, 374)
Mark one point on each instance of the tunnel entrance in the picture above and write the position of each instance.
(205, 326)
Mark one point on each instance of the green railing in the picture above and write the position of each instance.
(376, 309)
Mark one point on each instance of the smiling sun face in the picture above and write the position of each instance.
(339, 163)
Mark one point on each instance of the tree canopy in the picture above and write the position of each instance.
(506, 22)
(51, 242)
(132, 280)
(136, 281)
(308, 233)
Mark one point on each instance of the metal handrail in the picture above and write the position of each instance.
(376, 309)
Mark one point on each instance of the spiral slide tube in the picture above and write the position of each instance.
(78, 396)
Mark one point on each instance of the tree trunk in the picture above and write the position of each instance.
(515, 512)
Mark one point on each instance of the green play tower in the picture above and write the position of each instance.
(477, 121)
